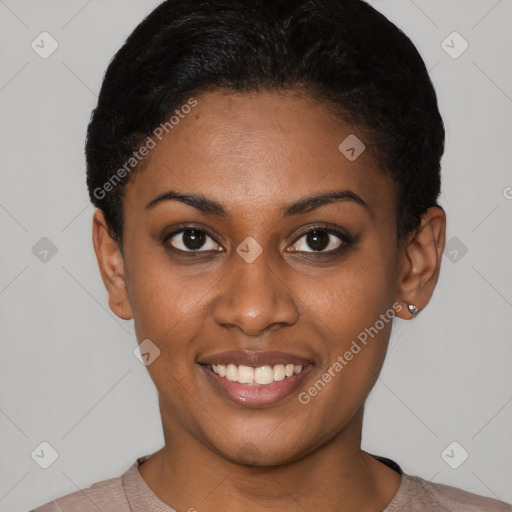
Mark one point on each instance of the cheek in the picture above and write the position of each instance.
(353, 311)
(355, 340)
(351, 298)
(170, 308)
(164, 299)
(166, 310)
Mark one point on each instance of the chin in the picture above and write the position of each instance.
(263, 455)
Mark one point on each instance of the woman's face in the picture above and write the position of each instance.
(247, 279)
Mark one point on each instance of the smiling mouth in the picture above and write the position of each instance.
(256, 386)
(256, 376)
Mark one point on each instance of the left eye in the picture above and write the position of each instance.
(318, 240)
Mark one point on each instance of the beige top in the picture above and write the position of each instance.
(130, 493)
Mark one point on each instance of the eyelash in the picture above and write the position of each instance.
(345, 239)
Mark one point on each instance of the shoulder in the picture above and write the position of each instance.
(104, 495)
(423, 495)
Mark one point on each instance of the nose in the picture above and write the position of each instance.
(253, 297)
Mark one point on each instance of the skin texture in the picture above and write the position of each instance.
(255, 153)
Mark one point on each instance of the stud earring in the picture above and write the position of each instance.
(413, 309)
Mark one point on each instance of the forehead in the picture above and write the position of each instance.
(269, 148)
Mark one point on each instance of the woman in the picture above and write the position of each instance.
(266, 176)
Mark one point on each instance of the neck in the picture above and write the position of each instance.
(188, 475)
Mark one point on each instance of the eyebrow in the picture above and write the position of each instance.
(304, 205)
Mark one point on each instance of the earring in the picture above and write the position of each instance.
(413, 309)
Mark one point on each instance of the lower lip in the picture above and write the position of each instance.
(256, 395)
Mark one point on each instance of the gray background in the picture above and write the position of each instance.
(68, 375)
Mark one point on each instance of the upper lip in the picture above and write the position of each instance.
(253, 358)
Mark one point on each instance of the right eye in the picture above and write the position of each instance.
(191, 240)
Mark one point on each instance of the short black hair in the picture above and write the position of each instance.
(341, 52)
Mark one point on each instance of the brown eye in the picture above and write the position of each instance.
(192, 240)
(318, 240)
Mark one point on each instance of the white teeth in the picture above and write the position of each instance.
(245, 374)
(279, 373)
(261, 375)
(264, 375)
(231, 372)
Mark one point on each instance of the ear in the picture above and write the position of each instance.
(421, 262)
(111, 264)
